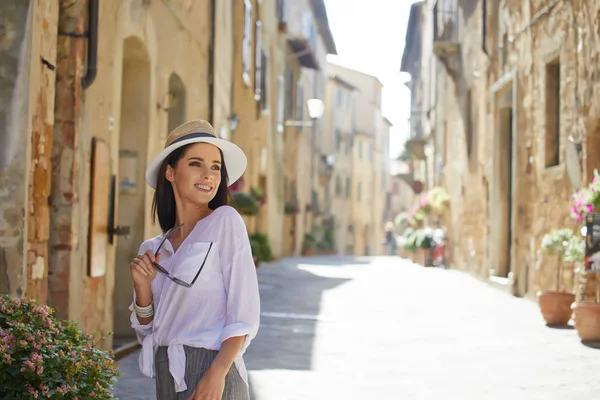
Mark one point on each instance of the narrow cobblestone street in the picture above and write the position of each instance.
(383, 328)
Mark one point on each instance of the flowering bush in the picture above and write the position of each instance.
(42, 358)
(586, 200)
(556, 241)
(575, 250)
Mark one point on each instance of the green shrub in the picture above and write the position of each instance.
(261, 248)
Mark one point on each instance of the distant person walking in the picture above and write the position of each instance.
(390, 239)
(196, 303)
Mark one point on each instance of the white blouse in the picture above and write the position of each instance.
(223, 303)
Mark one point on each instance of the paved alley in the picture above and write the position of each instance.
(383, 328)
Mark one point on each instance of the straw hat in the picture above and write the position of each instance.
(199, 131)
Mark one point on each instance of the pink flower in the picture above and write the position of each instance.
(590, 208)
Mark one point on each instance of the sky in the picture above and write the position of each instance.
(369, 36)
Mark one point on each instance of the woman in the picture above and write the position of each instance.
(196, 302)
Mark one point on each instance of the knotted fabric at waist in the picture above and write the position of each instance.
(176, 361)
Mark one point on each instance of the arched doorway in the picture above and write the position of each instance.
(177, 102)
(131, 187)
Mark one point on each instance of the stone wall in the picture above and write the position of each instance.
(15, 47)
(513, 74)
(28, 53)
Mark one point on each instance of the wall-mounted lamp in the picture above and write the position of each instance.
(573, 161)
(316, 108)
(166, 102)
(233, 121)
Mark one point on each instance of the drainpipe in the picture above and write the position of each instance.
(92, 45)
(211, 62)
(484, 27)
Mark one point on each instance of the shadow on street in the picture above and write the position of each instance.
(291, 304)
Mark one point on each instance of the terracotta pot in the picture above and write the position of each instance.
(556, 307)
(587, 320)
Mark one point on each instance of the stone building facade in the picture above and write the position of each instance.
(90, 91)
(512, 82)
(338, 141)
(370, 164)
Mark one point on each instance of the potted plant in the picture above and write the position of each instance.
(410, 245)
(586, 313)
(44, 358)
(555, 305)
(424, 244)
(308, 245)
(261, 248)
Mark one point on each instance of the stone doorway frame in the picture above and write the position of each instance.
(134, 127)
(503, 96)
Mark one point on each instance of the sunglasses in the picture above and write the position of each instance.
(163, 271)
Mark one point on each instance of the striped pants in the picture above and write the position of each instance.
(197, 362)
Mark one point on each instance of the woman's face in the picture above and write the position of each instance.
(197, 176)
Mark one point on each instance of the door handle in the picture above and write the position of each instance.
(112, 230)
(121, 230)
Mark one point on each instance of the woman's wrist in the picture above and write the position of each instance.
(219, 368)
(143, 295)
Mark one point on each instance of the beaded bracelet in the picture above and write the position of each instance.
(144, 312)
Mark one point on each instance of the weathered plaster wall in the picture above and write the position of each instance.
(15, 47)
(28, 47)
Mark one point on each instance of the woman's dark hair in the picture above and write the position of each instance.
(163, 204)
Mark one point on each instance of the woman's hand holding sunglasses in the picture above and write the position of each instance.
(142, 271)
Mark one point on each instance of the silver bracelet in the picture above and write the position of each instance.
(144, 312)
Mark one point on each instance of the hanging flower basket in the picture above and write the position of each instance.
(291, 208)
(245, 204)
(257, 193)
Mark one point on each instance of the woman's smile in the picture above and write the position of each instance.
(204, 188)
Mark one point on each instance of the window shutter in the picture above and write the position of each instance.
(264, 100)
(258, 63)
(280, 104)
(247, 40)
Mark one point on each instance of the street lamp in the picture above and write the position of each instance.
(233, 121)
(315, 112)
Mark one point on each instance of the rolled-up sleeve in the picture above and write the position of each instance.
(141, 331)
(240, 281)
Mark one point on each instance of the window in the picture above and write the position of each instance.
(552, 113)
(299, 102)
(258, 59)
(371, 153)
(360, 150)
(289, 93)
(359, 191)
(280, 103)
(338, 186)
(338, 140)
(264, 90)
(340, 97)
(348, 187)
(247, 41)
(469, 124)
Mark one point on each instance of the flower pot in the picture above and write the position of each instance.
(422, 257)
(556, 307)
(587, 320)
